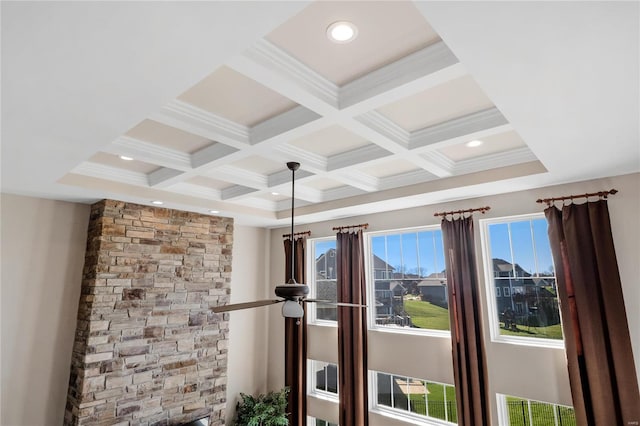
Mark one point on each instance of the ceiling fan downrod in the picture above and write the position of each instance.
(293, 166)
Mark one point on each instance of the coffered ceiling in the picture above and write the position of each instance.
(210, 111)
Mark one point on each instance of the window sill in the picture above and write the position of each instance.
(529, 341)
(408, 418)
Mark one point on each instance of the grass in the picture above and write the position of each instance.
(426, 315)
(542, 413)
(436, 402)
(549, 332)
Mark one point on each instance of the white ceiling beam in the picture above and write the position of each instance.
(272, 67)
(102, 171)
(149, 152)
(408, 70)
(458, 127)
(192, 119)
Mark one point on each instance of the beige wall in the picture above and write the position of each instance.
(247, 365)
(43, 244)
(531, 372)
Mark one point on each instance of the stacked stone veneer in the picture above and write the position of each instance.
(148, 351)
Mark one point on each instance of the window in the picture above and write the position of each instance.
(515, 411)
(407, 282)
(518, 260)
(323, 378)
(319, 422)
(323, 278)
(419, 399)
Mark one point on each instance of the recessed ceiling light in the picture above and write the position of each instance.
(214, 211)
(342, 32)
(275, 193)
(474, 143)
(125, 158)
(157, 202)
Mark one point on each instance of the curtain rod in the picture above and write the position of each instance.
(571, 197)
(478, 209)
(340, 228)
(296, 234)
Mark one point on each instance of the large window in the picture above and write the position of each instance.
(323, 378)
(418, 399)
(407, 282)
(516, 411)
(323, 278)
(519, 269)
(311, 421)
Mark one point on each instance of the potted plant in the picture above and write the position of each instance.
(264, 410)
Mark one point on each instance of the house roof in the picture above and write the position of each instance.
(211, 99)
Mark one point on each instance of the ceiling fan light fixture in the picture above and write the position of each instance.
(292, 309)
(342, 32)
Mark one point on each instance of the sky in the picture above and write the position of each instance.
(422, 252)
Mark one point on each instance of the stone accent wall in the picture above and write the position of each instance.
(148, 351)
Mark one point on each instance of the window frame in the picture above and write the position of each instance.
(396, 413)
(492, 310)
(503, 410)
(312, 389)
(312, 310)
(370, 280)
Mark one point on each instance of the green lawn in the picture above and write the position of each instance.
(550, 332)
(436, 402)
(541, 414)
(426, 315)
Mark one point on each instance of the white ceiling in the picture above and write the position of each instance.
(212, 99)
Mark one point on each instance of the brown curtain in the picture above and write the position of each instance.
(602, 374)
(352, 330)
(469, 358)
(295, 376)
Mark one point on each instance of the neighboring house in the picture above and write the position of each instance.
(529, 299)
(433, 289)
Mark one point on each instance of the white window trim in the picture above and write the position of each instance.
(370, 280)
(395, 413)
(312, 390)
(494, 323)
(312, 311)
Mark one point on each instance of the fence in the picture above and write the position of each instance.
(443, 410)
(531, 413)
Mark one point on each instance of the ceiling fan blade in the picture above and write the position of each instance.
(246, 305)
(329, 302)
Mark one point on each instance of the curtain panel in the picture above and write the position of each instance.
(469, 358)
(602, 373)
(296, 341)
(352, 330)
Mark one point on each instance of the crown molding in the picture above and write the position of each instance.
(269, 55)
(196, 191)
(292, 120)
(203, 123)
(102, 171)
(458, 127)
(383, 125)
(150, 153)
(163, 177)
(210, 154)
(492, 161)
(404, 179)
(424, 62)
(358, 180)
(313, 162)
(236, 191)
(356, 156)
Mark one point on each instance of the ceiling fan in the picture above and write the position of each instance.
(292, 294)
